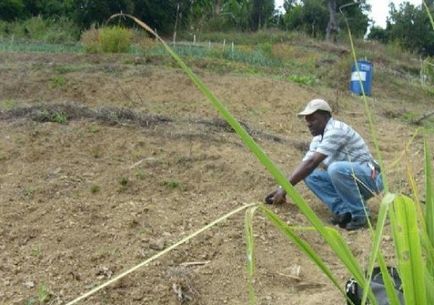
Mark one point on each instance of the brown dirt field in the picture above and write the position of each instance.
(142, 161)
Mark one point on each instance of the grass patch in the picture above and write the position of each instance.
(59, 117)
(172, 184)
(7, 104)
(307, 80)
(57, 81)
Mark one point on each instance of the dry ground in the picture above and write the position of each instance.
(141, 162)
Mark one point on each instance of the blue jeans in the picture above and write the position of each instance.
(340, 191)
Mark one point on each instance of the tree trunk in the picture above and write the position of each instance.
(217, 7)
(332, 26)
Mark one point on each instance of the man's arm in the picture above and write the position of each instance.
(301, 171)
(306, 167)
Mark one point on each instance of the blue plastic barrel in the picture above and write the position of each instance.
(364, 74)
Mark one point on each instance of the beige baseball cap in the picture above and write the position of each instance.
(315, 105)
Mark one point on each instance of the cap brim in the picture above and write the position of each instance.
(305, 113)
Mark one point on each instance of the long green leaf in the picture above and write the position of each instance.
(408, 249)
(382, 214)
(429, 198)
(301, 244)
(428, 13)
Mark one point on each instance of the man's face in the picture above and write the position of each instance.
(316, 122)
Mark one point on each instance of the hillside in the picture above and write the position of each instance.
(108, 159)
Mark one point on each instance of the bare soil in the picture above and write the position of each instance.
(107, 160)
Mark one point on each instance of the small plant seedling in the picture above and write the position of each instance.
(95, 189)
(57, 82)
(140, 174)
(123, 181)
(7, 104)
(172, 184)
(44, 295)
(59, 117)
(36, 252)
(28, 192)
(93, 129)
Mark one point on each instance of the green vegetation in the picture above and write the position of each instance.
(412, 227)
(44, 295)
(172, 184)
(123, 181)
(57, 81)
(59, 117)
(107, 39)
(50, 30)
(411, 222)
(302, 79)
(95, 189)
(57, 21)
(7, 104)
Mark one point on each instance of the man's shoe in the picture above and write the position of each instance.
(356, 223)
(341, 219)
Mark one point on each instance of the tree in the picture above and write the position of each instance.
(11, 9)
(320, 18)
(411, 28)
(87, 12)
(378, 33)
(357, 16)
(332, 26)
(261, 11)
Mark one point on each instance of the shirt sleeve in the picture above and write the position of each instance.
(312, 147)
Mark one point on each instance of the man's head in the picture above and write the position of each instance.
(317, 113)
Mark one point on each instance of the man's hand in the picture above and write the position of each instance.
(276, 197)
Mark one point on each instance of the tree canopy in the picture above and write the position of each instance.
(407, 25)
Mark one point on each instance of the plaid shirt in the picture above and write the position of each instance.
(339, 142)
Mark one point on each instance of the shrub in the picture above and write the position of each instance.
(115, 39)
(90, 40)
(107, 39)
(59, 30)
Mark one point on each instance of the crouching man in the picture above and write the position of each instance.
(338, 168)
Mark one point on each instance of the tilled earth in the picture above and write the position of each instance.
(107, 160)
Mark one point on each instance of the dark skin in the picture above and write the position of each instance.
(316, 123)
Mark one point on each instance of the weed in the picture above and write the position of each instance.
(140, 174)
(57, 82)
(172, 184)
(36, 252)
(28, 192)
(124, 181)
(7, 104)
(302, 79)
(96, 152)
(93, 129)
(59, 117)
(95, 189)
(44, 295)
